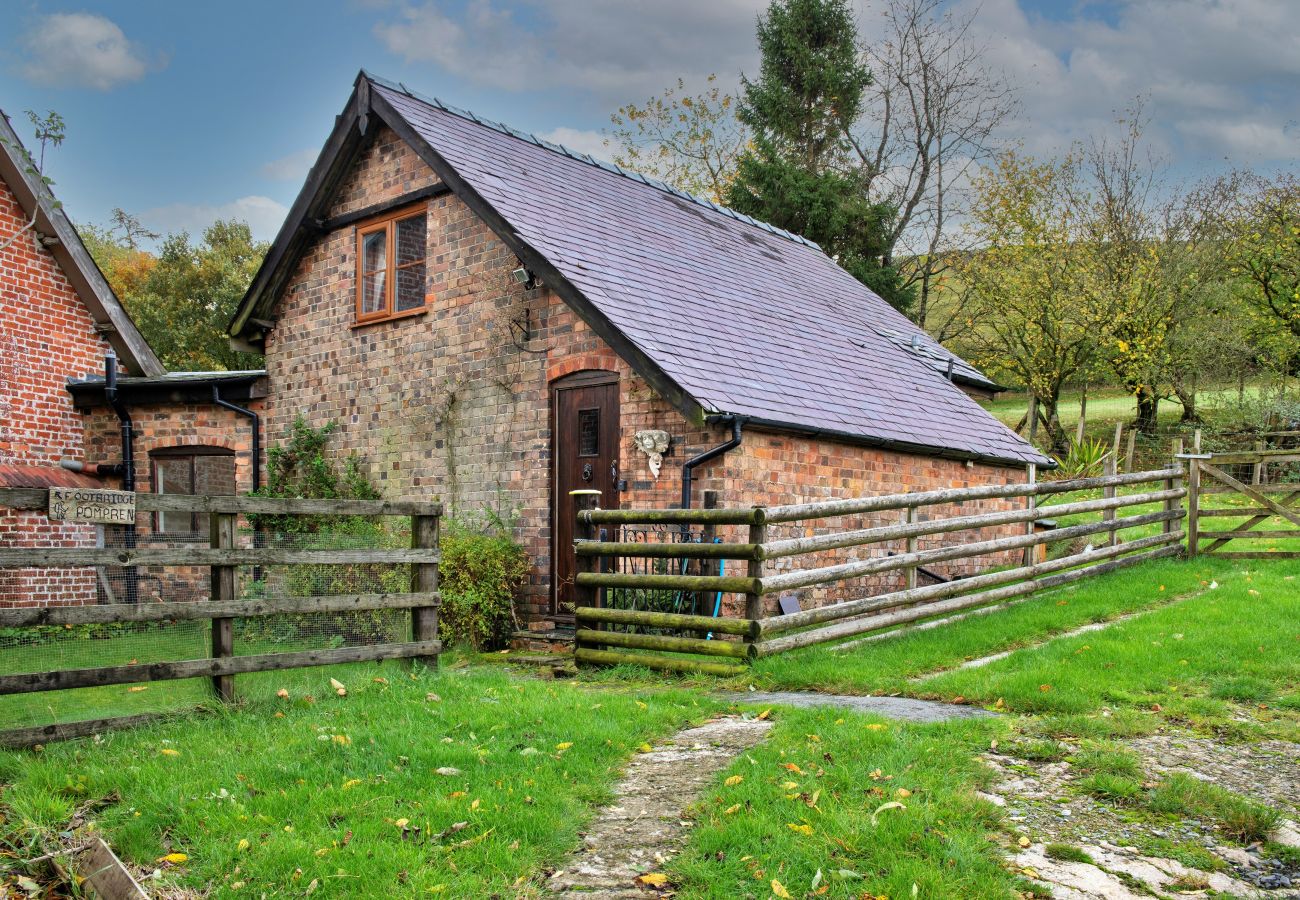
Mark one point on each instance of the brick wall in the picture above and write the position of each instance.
(46, 335)
(455, 402)
(167, 427)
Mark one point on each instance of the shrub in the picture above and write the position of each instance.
(1084, 460)
(482, 573)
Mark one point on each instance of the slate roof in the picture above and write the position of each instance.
(745, 318)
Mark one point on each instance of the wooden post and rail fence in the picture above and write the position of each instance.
(224, 559)
(723, 645)
(1212, 474)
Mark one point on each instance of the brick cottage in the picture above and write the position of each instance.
(494, 319)
(59, 319)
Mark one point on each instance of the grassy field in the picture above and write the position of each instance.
(474, 781)
(1112, 404)
(463, 782)
(1189, 661)
(850, 806)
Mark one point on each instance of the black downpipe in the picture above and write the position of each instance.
(115, 400)
(256, 421)
(737, 425)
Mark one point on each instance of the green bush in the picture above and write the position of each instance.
(482, 574)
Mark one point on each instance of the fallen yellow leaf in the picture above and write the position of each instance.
(242, 845)
(794, 768)
(789, 785)
(564, 746)
(173, 858)
(730, 810)
(764, 714)
(902, 793)
(652, 879)
(1024, 842)
(351, 783)
(734, 780)
(802, 829)
(779, 890)
(168, 751)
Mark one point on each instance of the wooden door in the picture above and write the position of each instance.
(584, 453)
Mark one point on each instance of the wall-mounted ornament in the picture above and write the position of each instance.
(654, 444)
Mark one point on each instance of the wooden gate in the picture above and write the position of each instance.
(1266, 479)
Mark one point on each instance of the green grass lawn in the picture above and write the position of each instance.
(1237, 642)
(842, 805)
(461, 782)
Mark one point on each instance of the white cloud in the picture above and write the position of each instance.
(616, 51)
(590, 142)
(1218, 76)
(293, 167)
(263, 215)
(81, 50)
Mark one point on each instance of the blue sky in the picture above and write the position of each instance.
(180, 112)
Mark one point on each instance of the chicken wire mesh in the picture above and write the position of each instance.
(48, 648)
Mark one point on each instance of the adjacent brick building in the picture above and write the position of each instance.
(59, 319)
(497, 321)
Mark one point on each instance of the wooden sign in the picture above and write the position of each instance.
(94, 505)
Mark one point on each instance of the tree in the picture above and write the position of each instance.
(931, 112)
(798, 174)
(181, 298)
(49, 132)
(1028, 284)
(690, 142)
(1265, 247)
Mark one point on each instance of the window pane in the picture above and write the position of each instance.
(411, 239)
(374, 251)
(588, 432)
(172, 476)
(372, 293)
(410, 287)
(214, 475)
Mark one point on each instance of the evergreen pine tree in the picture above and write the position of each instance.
(797, 176)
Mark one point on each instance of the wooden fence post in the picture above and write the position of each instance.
(909, 518)
(1031, 504)
(1194, 501)
(222, 536)
(1257, 472)
(424, 577)
(1114, 451)
(754, 570)
(1108, 492)
(1131, 452)
(1173, 484)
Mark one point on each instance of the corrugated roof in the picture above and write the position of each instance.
(746, 318)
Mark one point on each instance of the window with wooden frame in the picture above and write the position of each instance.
(190, 470)
(391, 265)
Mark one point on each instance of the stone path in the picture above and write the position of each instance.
(1043, 803)
(643, 828)
(904, 709)
(1113, 870)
